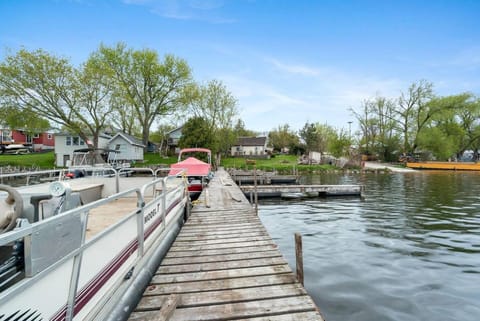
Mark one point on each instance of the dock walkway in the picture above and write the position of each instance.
(224, 266)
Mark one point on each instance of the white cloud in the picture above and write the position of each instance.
(201, 10)
(301, 93)
(294, 69)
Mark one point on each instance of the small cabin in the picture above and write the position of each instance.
(129, 148)
(250, 147)
(67, 143)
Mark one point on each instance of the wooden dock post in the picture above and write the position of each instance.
(299, 257)
(207, 197)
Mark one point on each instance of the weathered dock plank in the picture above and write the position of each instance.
(245, 249)
(233, 311)
(224, 266)
(225, 296)
(221, 274)
(219, 258)
(197, 267)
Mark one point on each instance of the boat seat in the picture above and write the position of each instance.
(56, 205)
(35, 201)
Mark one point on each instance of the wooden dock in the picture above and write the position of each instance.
(224, 266)
(305, 190)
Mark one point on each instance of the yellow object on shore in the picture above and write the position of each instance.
(460, 166)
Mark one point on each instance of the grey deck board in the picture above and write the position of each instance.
(225, 266)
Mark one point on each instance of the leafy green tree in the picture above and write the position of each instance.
(325, 136)
(308, 133)
(339, 144)
(240, 130)
(195, 133)
(217, 107)
(50, 87)
(283, 137)
(24, 119)
(413, 112)
(367, 120)
(94, 94)
(150, 88)
(380, 128)
(160, 136)
(456, 124)
(434, 140)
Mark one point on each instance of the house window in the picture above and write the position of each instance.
(36, 136)
(5, 136)
(49, 136)
(74, 141)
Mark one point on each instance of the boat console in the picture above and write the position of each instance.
(20, 210)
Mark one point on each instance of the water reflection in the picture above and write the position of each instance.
(410, 249)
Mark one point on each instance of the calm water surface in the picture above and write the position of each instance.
(410, 250)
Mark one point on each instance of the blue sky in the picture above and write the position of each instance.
(285, 61)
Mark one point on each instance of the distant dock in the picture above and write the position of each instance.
(224, 265)
(265, 191)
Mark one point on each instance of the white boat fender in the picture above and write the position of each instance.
(10, 208)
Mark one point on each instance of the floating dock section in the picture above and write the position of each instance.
(224, 266)
(265, 191)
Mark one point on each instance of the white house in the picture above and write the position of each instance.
(130, 148)
(173, 138)
(250, 146)
(66, 143)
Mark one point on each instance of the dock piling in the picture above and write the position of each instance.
(299, 257)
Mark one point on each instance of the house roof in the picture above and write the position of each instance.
(71, 134)
(174, 130)
(132, 140)
(251, 141)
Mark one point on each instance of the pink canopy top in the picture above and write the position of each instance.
(193, 166)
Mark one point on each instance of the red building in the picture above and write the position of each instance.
(38, 142)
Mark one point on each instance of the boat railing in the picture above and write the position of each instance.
(162, 171)
(130, 170)
(50, 175)
(78, 252)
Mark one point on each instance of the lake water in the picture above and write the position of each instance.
(410, 250)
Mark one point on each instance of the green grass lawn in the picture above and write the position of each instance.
(155, 159)
(282, 163)
(32, 160)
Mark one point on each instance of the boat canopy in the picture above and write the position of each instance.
(94, 157)
(195, 150)
(192, 166)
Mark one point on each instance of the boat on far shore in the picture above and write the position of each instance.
(457, 166)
